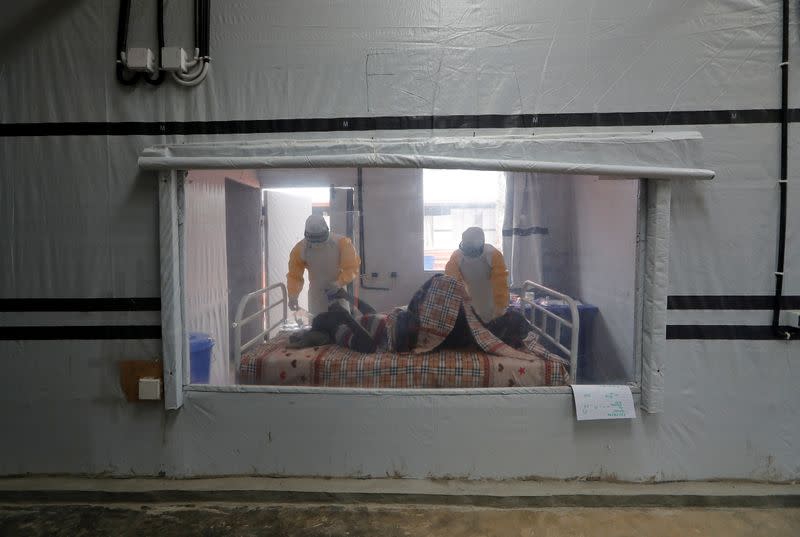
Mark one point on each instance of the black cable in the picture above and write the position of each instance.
(197, 29)
(160, 24)
(122, 25)
(350, 210)
(161, 43)
(200, 27)
(120, 73)
(198, 14)
(206, 30)
(782, 332)
(360, 187)
(122, 44)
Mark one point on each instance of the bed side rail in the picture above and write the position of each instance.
(263, 314)
(540, 322)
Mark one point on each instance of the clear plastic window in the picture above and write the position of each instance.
(454, 200)
(334, 277)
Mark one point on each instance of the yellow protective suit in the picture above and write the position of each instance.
(333, 263)
(486, 278)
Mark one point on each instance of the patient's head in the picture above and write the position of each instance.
(472, 241)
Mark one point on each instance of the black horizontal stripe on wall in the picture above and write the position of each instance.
(730, 302)
(482, 121)
(720, 332)
(525, 231)
(80, 304)
(52, 333)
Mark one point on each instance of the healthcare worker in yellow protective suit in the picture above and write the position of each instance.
(331, 260)
(482, 268)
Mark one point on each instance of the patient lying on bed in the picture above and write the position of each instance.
(438, 316)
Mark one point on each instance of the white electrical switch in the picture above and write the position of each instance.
(140, 59)
(173, 59)
(149, 389)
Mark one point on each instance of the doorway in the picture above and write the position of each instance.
(285, 212)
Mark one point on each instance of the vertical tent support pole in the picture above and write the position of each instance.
(656, 282)
(174, 342)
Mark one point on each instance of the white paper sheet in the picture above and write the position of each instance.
(600, 402)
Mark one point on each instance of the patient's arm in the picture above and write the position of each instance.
(330, 321)
(511, 328)
(361, 305)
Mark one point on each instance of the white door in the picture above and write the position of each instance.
(344, 220)
(285, 222)
(341, 211)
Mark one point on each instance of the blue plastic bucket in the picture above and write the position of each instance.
(200, 346)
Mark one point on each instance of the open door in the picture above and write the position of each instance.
(341, 211)
(284, 225)
(245, 262)
(344, 219)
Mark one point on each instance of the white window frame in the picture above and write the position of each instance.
(616, 161)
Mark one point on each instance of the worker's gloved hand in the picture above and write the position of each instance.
(332, 290)
(293, 303)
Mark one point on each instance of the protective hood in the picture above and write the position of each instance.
(316, 229)
(472, 241)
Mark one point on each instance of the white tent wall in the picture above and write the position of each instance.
(393, 221)
(604, 270)
(79, 220)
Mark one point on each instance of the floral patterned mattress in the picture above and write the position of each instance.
(271, 363)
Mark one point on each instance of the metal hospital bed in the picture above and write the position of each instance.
(548, 324)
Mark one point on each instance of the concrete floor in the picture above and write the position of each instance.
(315, 520)
(484, 493)
(34, 506)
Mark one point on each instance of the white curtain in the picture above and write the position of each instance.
(538, 229)
(207, 266)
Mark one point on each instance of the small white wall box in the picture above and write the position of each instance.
(173, 59)
(149, 389)
(140, 59)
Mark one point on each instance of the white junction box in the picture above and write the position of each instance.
(141, 60)
(173, 59)
(149, 389)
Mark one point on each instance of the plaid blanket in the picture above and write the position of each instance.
(437, 305)
(439, 310)
(434, 312)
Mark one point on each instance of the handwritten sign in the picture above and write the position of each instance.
(601, 402)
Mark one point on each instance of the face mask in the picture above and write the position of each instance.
(471, 251)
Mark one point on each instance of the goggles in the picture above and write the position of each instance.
(470, 251)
